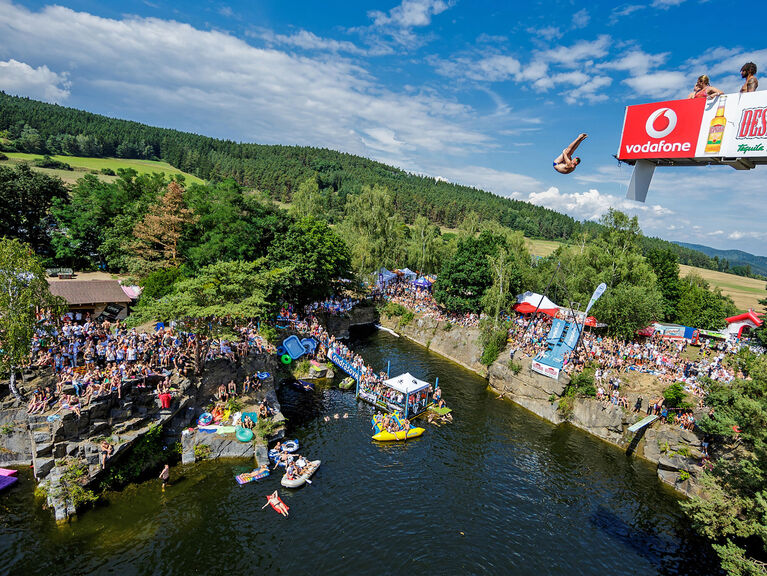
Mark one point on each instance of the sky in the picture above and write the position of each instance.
(478, 92)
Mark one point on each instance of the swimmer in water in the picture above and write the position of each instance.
(565, 163)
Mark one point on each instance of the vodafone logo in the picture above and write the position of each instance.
(656, 128)
(662, 129)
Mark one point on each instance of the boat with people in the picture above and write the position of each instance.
(347, 383)
(391, 428)
(296, 481)
(286, 447)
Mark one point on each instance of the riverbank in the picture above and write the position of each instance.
(674, 451)
(64, 449)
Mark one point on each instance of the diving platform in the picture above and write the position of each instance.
(642, 423)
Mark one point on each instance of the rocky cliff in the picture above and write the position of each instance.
(675, 451)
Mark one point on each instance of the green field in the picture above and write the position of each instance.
(83, 165)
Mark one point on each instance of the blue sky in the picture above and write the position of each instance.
(479, 92)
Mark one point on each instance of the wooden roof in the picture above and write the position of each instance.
(77, 292)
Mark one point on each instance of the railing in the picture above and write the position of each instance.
(345, 365)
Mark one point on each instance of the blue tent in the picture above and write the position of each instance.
(422, 282)
(385, 277)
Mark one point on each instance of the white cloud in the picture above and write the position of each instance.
(22, 79)
(623, 11)
(666, 4)
(635, 62)
(222, 85)
(306, 40)
(590, 205)
(659, 84)
(495, 181)
(547, 33)
(409, 14)
(581, 18)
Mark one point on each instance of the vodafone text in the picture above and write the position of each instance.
(661, 146)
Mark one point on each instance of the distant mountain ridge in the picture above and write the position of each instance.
(734, 257)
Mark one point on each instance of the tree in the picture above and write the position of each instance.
(700, 307)
(627, 308)
(423, 248)
(215, 298)
(23, 290)
(373, 230)
(230, 224)
(314, 256)
(159, 233)
(307, 201)
(665, 265)
(461, 285)
(26, 197)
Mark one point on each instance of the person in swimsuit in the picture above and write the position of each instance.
(277, 504)
(748, 73)
(565, 163)
(703, 89)
(165, 476)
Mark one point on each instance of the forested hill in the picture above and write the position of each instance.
(737, 259)
(31, 126)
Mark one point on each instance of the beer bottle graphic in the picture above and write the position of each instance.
(716, 131)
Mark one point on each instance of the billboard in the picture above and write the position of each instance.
(546, 370)
(727, 127)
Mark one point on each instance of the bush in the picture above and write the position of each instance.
(515, 367)
(406, 318)
(3, 156)
(159, 283)
(269, 333)
(71, 485)
(147, 453)
(301, 368)
(582, 384)
(393, 309)
(492, 338)
(48, 162)
(676, 397)
(201, 451)
(108, 172)
(448, 326)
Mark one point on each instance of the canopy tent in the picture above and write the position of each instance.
(385, 277)
(529, 301)
(423, 282)
(406, 383)
(408, 274)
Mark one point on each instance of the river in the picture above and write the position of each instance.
(500, 491)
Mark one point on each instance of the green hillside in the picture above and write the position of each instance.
(100, 166)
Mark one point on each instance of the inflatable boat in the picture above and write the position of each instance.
(301, 480)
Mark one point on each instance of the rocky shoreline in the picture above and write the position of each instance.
(675, 451)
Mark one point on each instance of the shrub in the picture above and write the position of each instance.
(71, 485)
(492, 338)
(301, 368)
(676, 397)
(393, 309)
(448, 326)
(3, 156)
(265, 428)
(234, 405)
(201, 451)
(269, 333)
(406, 318)
(48, 162)
(159, 283)
(108, 172)
(515, 367)
(684, 475)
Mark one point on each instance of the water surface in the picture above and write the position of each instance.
(500, 491)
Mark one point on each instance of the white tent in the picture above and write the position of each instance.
(406, 383)
(536, 301)
(408, 274)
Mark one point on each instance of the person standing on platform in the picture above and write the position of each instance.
(748, 73)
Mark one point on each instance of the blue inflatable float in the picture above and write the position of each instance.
(293, 347)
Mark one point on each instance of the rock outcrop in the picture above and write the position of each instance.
(675, 451)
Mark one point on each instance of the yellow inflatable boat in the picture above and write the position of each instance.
(390, 437)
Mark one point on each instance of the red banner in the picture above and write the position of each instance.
(662, 129)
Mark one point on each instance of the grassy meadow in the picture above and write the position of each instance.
(83, 165)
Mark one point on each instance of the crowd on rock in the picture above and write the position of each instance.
(420, 300)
